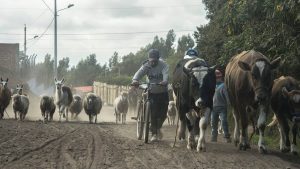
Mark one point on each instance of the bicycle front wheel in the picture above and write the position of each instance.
(139, 121)
(147, 121)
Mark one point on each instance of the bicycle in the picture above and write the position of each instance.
(143, 114)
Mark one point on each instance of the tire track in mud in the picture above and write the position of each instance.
(96, 156)
(104, 148)
(91, 152)
(141, 155)
(36, 150)
(65, 159)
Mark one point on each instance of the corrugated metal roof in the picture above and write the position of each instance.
(84, 88)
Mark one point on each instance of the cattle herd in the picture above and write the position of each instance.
(253, 92)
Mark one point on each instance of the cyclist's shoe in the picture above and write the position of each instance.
(159, 134)
(153, 138)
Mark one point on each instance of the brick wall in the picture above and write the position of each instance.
(8, 57)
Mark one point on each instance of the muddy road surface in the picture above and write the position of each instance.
(77, 144)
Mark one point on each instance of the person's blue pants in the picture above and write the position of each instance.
(222, 112)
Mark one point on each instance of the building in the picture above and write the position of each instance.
(9, 54)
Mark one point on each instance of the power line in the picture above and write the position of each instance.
(106, 39)
(105, 33)
(138, 7)
(114, 8)
(42, 13)
(87, 48)
(40, 36)
(48, 7)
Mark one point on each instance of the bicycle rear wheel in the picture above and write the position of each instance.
(139, 121)
(147, 121)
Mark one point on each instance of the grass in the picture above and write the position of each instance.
(272, 136)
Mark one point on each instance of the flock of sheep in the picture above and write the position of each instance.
(64, 102)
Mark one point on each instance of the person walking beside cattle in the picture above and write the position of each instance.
(220, 102)
(157, 73)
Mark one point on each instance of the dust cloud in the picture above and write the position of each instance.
(34, 112)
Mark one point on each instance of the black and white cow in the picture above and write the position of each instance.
(194, 86)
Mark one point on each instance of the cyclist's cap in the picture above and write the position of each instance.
(153, 54)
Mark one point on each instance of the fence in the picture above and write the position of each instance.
(107, 92)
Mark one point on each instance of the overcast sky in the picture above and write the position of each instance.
(94, 26)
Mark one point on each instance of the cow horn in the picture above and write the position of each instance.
(213, 67)
(275, 63)
(194, 63)
(187, 71)
(285, 92)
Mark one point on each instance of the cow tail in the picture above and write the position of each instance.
(178, 100)
(254, 129)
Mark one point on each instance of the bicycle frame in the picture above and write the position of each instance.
(144, 113)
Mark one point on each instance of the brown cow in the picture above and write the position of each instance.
(285, 102)
(248, 79)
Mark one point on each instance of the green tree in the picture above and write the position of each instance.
(85, 72)
(62, 68)
(268, 26)
(184, 43)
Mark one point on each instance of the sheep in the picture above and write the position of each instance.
(20, 106)
(76, 106)
(5, 96)
(171, 113)
(47, 107)
(92, 105)
(121, 107)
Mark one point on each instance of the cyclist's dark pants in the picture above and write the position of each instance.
(159, 108)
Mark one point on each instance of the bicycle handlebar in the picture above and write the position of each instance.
(140, 85)
(148, 84)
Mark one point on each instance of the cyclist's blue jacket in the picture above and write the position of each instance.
(155, 74)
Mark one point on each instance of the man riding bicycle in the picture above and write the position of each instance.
(157, 73)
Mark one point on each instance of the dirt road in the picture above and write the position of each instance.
(77, 144)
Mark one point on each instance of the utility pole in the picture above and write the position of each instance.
(55, 35)
(25, 39)
(55, 40)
